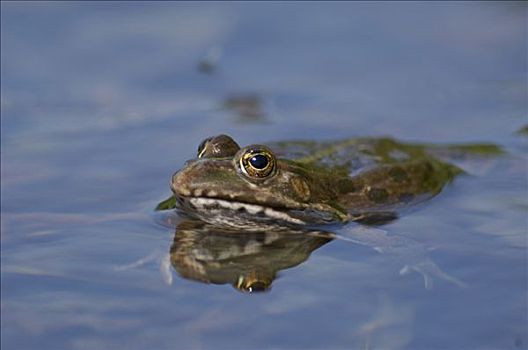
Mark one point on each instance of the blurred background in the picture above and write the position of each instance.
(102, 101)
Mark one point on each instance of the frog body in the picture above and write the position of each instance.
(306, 183)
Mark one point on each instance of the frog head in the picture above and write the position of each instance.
(250, 187)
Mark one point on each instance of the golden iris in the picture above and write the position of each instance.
(257, 163)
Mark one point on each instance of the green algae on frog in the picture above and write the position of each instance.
(303, 182)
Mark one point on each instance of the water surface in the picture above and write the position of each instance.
(102, 102)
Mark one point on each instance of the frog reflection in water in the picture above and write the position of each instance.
(302, 183)
(249, 262)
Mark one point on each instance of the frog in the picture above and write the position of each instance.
(369, 180)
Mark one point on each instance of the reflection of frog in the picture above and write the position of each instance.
(304, 182)
(248, 261)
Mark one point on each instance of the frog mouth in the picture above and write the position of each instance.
(218, 207)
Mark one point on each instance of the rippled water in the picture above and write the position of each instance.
(102, 102)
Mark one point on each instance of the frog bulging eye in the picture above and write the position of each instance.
(257, 163)
(220, 146)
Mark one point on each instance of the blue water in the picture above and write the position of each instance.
(102, 102)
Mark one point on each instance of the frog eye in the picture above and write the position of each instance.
(220, 146)
(202, 146)
(255, 287)
(253, 284)
(257, 162)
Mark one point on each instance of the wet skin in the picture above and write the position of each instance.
(301, 183)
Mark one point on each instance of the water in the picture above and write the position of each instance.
(102, 102)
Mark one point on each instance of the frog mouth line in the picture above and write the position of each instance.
(206, 203)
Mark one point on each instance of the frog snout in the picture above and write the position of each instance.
(181, 181)
(178, 185)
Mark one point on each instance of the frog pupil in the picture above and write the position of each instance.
(258, 161)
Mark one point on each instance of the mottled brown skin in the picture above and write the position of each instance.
(340, 181)
(292, 188)
(395, 186)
